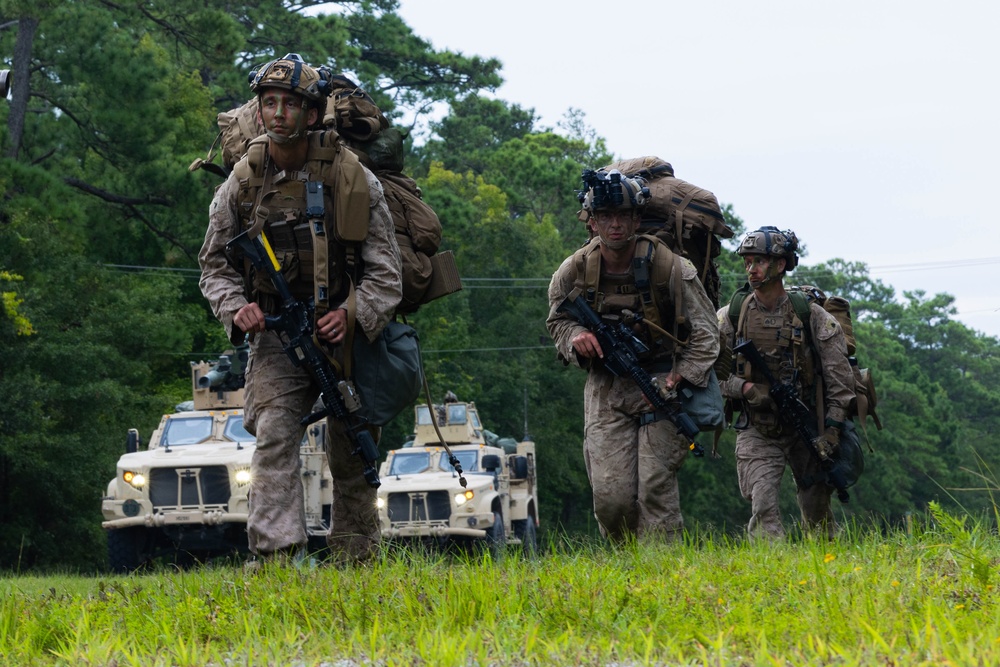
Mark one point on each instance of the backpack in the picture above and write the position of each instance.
(801, 296)
(364, 129)
(418, 229)
(685, 217)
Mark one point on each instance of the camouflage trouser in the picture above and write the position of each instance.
(278, 395)
(354, 528)
(760, 464)
(632, 468)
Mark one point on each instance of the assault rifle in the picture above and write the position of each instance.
(795, 413)
(295, 328)
(621, 356)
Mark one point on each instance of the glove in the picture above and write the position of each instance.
(827, 444)
(758, 398)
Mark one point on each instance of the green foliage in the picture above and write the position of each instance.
(475, 127)
(965, 545)
(870, 598)
(104, 343)
(122, 97)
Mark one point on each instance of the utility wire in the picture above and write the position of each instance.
(481, 283)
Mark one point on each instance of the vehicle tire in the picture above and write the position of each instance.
(125, 549)
(496, 537)
(526, 531)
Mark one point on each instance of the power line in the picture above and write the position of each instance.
(482, 283)
(543, 283)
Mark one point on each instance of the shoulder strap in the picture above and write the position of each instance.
(800, 304)
(587, 266)
(342, 174)
(653, 266)
(643, 276)
(736, 306)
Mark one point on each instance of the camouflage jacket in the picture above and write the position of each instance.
(377, 294)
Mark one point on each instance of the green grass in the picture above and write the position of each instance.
(927, 597)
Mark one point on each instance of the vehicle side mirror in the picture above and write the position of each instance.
(491, 462)
(132, 441)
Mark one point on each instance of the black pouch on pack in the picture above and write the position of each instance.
(849, 461)
(387, 372)
(704, 404)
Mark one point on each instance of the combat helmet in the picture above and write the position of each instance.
(610, 190)
(292, 73)
(773, 242)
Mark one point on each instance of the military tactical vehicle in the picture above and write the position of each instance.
(185, 496)
(421, 498)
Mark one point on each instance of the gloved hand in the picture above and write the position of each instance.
(827, 444)
(756, 395)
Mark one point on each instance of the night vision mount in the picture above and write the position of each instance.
(609, 191)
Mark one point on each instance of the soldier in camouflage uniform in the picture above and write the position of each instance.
(764, 443)
(633, 453)
(278, 394)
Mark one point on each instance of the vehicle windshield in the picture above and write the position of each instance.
(410, 463)
(456, 414)
(423, 415)
(468, 459)
(235, 431)
(187, 431)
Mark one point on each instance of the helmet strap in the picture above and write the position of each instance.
(615, 245)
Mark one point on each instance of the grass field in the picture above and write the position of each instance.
(926, 596)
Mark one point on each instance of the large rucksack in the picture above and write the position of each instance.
(685, 217)
(801, 296)
(427, 273)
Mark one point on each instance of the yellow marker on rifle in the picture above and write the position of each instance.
(270, 253)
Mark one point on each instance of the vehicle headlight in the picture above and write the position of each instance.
(380, 503)
(136, 479)
(464, 497)
(243, 476)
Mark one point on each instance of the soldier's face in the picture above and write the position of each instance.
(284, 113)
(615, 226)
(762, 269)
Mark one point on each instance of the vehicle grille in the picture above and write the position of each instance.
(188, 487)
(419, 506)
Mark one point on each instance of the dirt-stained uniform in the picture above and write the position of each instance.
(764, 445)
(633, 467)
(279, 394)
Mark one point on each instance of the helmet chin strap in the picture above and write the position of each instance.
(616, 245)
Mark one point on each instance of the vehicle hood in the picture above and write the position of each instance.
(434, 481)
(190, 455)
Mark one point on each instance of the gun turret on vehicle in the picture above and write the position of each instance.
(421, 497)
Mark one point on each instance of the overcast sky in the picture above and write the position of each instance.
(870, 128)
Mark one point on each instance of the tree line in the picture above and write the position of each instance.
(101, 221)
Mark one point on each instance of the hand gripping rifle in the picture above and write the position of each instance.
(793, 412)
(295, 328)
(621, 356)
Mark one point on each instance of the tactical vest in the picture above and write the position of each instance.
(645, 291)
(314, 219)
(782, 340)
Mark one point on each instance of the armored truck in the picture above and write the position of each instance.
(421, 497)
(185, 496)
